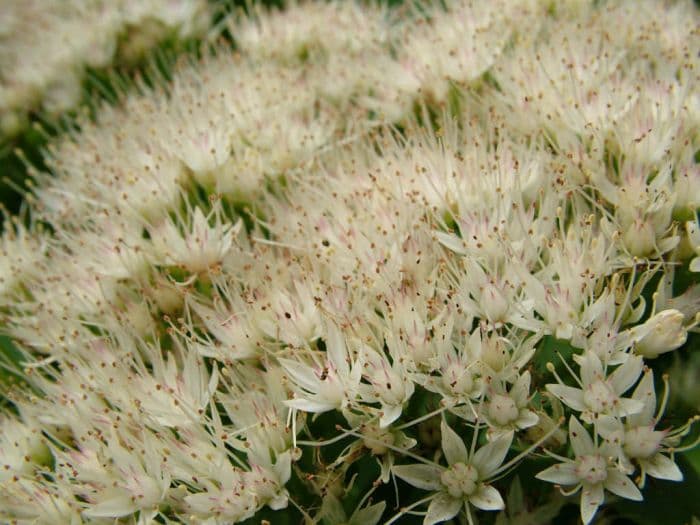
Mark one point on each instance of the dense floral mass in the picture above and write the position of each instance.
(437, 245)
(45, 46)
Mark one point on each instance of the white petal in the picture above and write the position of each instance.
(302, 374)
(442, 508)
(307, 405)
(521, 389)
(591, 367)
(662, 467)
(619, 484)
(487, 498)
(451, 242)
(424, 477)
(695, 265)
(572, 397)
(646, 394)
(369, 515)
(337, 351)
(561, 474)
(591, 498)
(626, 374)
(627, 406)
(489, 457)
(527, 419)
(452, 445)
(389, 415)
(115, 507)
(581, 442)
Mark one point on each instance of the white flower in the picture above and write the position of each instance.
(637, 440)
(193, 243)
(329, 384)
(389, 384)
(589, 471)
(507, 410)
(598, 393)
(466, 479)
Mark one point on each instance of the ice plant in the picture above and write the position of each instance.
(591, 472)
(45, 49)
(362, 269)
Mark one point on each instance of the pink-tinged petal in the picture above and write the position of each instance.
(442, 508)
(487, 498)
(592, 497)
(572, 397)
(452, 445)
(424, 477)
(626, 374)
(621, 485)
(581, 442)
(646, 394)
(591, 367)
(662, 467)
(561, 474)
(489, 457)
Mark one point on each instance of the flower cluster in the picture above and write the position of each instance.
(369, 248)
(46, 46)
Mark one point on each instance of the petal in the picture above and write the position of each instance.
(452, 445)
(369, 515)
(695, 265)
(572, 397)
(527, 419)
(626, 374)
(561, 474)
(662, 467)
(621, 485)
(442, 508)
(489, 457)
(451, 242)
(646, 394)
(307, 405)
(591, 498)
(337, 352)
(591, 368)
(115, 507)
(487, 498)
(424, 477)
(389, 415)
(521, 389)
(581, 442)
(302, 374)
(626, 406)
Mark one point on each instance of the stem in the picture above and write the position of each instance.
(422, 418)
(410, 507)
(527, 451)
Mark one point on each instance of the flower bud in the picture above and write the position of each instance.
(662, 333)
